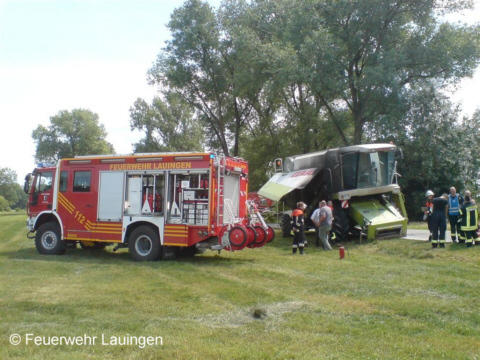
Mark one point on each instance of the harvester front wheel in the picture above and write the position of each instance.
(340, 224)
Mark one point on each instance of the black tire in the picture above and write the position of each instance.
(340, 224)
(286, 225)
(237, 236)
(48, 240)
(92, 245)
(144, 244)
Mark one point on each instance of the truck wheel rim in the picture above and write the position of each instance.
(49, 240)
(143, 246)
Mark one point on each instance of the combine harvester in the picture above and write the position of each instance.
(361, 180)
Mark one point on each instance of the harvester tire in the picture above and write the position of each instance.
(340, 224)
(286, 225)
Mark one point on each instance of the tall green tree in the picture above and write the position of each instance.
(433, 144)
(198, 64)
(71, 133)
(357, 60)
(169, 125)
(10, 191)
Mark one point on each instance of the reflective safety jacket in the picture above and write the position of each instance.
(469, 217)
(454, 203)
(298, 222)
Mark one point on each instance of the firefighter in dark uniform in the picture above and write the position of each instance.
(469, 220)
(439, 221)
(298, 228)
(428, 213)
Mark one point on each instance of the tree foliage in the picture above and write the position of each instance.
(270, 79)
(169, 125)
(11, 193)
(70, 133)
(198, 64)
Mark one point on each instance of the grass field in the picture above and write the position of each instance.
(391, 299)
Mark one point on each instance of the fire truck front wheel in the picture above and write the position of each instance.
(48, 240)
(144, 244)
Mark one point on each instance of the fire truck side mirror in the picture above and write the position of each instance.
(278, 165)
(27, 186)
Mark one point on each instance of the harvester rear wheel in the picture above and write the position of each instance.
(340, 224)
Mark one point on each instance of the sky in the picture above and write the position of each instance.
(93, 54)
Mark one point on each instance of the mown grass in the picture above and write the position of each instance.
(392, 299)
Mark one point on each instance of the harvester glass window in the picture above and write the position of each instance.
(82, 181)
(350, 162)
(374, 169)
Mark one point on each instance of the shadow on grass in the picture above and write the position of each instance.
(108, 257)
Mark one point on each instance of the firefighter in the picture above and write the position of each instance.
(298, 228)
(439, 221)
(454, 202)
(469, 220)
(428, 213)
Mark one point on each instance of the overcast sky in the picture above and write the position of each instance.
(91, 54)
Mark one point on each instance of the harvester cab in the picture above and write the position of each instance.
(361, 180)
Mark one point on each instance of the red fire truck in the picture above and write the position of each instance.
(158, 205)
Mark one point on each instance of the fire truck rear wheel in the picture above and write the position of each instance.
(48, 240)
(144, 244)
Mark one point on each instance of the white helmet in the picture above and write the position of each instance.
(429, 193)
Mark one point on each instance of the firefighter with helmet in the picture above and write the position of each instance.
(428, 212)
(298, 228)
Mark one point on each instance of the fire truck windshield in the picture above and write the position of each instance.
(367, 170)
(43, 181)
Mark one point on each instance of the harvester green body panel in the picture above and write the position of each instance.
(380, 219)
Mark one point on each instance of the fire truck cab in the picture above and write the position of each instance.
(158, 205)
